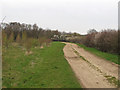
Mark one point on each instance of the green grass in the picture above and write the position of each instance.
(107, 56)
(45, 68)
(113, 80)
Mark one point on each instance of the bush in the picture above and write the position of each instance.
(4, 39)
(42, 40)
(48, 41)
(90, 40)
(28, 44)
(18, 39)
(35, 42)
(11, 37)
(106, 40)
(24, 37)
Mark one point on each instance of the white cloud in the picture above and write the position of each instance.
(67, 15)
(0, 11)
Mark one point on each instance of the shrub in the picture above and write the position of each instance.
(18, 39)
(24, 37)
(11, 37)
(35, 42)
(48, 41)
(4, 39)
(28, 44)
(106, 40)
(42, 40)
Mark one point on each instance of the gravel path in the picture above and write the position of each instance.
(91, 71)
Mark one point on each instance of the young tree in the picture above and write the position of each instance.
(24, 37)
(28, 45)
(18, 39)
(11, 37)
(4, 39)
(35, 42)
(48, 41)
(91, 31)
(41, 41)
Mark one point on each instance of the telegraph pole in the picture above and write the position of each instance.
(118, 41)
(1, 52)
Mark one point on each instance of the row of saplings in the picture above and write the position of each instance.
(24, 40)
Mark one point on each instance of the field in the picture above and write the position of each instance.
(107, 56)
(48, 68)
(44, 68)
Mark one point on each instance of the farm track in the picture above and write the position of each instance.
(91, 71)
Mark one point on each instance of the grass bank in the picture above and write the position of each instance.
(107, 56)
(44, 68)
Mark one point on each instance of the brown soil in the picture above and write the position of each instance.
(91, 71)
(28, 53)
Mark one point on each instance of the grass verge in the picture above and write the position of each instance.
(44, 68)
(107, 56)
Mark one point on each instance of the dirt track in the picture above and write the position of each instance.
(91, 71)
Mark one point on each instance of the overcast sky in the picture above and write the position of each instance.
(64, 15)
